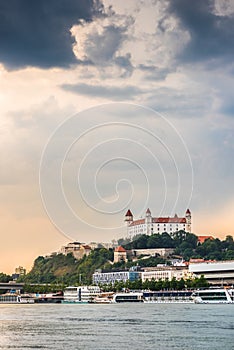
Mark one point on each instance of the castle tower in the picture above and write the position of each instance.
(128, 217)
(148, 221)
(120, 254)
(188, 218)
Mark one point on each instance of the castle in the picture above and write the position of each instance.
(150, 225)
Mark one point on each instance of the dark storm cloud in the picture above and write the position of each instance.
(109, 92)
(37, 33)
(211, 35)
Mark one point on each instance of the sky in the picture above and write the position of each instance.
(109, 105)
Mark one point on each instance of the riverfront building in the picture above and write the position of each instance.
(164, 273)
(217, 273)
(117, 276)
(151, 225)
(148, 273)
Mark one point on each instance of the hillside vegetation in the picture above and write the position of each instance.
(186, 245)
(66, 269)
(61, 269)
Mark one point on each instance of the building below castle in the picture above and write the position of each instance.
(77, 249)
(152, 225)
(120, 254)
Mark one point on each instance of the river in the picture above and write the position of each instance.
(117, 326)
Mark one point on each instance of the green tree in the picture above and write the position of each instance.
(180, 284)
(5, 278)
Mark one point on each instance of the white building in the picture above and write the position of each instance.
(219, 272)
(115, 276)
(164, 273)
(164, 252)
(106, 245)
(151, 225)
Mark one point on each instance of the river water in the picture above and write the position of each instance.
(117, 326)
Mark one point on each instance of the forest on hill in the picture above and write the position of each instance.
(65, 269)
(186, 245)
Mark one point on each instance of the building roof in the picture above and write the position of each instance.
(137, 222)
(87, 247)
(195, 261)
(168, 220)
(161, 220)
(129, 213)
(201, 239)
(148, 211)
(214, 266)
(188, 211)
(120, 249)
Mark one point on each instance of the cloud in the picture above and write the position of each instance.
(155, 73)
(101, 47)
(109, 92)
(210, 30)
(101, 43)
(37, 33)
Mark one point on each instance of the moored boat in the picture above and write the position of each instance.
(80, 294)
(103, 298)
(213, 296)
(174, 296)
(51, 298)
(129, 297)
(10, 298)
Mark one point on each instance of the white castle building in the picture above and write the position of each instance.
(151, 225)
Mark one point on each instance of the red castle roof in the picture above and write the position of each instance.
(168, 220)
(201, 239)
(129, 213)
(175, 220)
(137, 222)
(120, 249)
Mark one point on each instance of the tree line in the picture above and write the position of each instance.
(157, 285)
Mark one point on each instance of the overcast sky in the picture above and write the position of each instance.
(109, 105)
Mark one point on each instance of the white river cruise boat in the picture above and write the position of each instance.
(10, 298)
(214, 296)
(80, 294)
